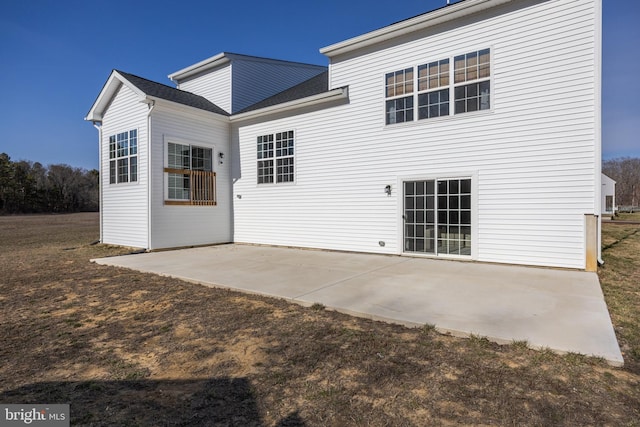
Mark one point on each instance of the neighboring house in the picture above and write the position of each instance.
(609, 206)
(470, 132)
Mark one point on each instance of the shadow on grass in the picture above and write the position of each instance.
(206, 402)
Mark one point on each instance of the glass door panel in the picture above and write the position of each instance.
(437, 216)
(419, 216)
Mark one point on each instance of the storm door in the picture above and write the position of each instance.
(437, 216)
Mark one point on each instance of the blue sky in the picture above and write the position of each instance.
(55, 55)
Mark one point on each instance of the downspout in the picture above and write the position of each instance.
(598, 122)
(100, 184)
(152, 105)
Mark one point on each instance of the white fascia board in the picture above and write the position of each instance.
(439, 16)
(207, 64)
(107, 93)
(185, 108)
(325, 97)
(140, 94)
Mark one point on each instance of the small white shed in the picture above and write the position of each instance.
(609, 206)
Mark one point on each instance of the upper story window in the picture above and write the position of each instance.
(473, 67)
(467, 85)
(123, 157)
(276, 158)
(399, 93)
(190, 178)
(433, 89)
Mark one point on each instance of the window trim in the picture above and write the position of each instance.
(407, 93)
(471, 82)
(273, 139)
(211, 176)
(115, 158)
(450, 87)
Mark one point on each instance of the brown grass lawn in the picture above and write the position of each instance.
(126, 348)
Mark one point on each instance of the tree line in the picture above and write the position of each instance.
(28, 187)
(626, 172)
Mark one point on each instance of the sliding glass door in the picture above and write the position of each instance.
(437, 216)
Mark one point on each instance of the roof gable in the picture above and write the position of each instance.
(147, 91)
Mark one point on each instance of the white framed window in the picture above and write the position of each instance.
(276, 158)
(265, 159)
(474, 67)
(123, 157)
(190, 176)
(433, 89)
(399, 94)
(467, 86)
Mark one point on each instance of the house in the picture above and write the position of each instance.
(470, 132)
(608, 192)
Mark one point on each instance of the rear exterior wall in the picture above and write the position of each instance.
(532, 157)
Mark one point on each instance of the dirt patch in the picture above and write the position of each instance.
(127, 348)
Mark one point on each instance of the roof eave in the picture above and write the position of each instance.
(439, 16)
(322, 98)
(152, 99)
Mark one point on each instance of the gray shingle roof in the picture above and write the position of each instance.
(313, 86)
(158, 90)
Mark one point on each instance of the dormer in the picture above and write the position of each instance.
(234, 82)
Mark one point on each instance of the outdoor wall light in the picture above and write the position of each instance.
(387, 190)
(220, 156)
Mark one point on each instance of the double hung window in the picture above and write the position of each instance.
(433, 89)
(474, 67)
(464, 81)
(123, 157)
(276, 158)
(399, 93)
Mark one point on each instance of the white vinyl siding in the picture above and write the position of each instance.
(532, 154)
(213, 85)
(186, 225)
(124, 205)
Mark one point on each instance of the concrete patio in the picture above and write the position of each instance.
(557, 309)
